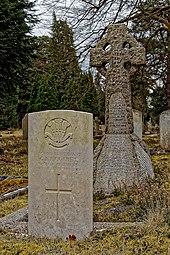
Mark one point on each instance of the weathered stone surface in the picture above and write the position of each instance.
(60, 174)
(165, 129)
(117, 158)
(137, 123)
(25, 127)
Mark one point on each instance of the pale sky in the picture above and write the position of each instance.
(43, 27)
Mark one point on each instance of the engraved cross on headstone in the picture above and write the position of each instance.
(116, 56)
(58, 191)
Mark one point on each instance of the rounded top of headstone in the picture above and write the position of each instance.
(167, 112)
(136, 111)
(60, 111)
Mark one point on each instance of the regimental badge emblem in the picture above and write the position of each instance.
(58, 133)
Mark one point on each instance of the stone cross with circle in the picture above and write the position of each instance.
(116, 57)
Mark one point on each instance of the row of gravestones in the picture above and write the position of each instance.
(63, 174)
(99, 128)
(60, 174)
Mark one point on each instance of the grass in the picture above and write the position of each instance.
(149, 203)
(13, 205)
(136, 203)
(120, 241)
(16, 203)
(12, 184)
(14, 160)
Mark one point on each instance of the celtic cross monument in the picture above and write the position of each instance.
(121, 158)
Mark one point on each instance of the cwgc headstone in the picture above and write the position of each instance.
(164, 124)
(137, 123)
(25, 127)
(60, 161)
(121, 158)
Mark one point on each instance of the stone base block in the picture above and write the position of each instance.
(120, 160)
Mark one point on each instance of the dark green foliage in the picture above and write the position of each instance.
(8, 111)
(140, 85)
(62, 50)
(15, 57)
(158, 102)
(81, 94)
(63, 64)
(56, 64)
(100, 88)
(153, 35)
(58, 82)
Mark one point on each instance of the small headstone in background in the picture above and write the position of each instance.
(164, 125)
(25, 127)
(137, 123)
(60, 163)
(96, 126)
(156, 128)
(103, 128)
(150, 126)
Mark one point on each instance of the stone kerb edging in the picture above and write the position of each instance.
(14, 193)
(17, 222)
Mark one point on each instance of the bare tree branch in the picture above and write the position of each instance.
(90, 19)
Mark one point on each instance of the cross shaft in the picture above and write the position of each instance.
(116, 56)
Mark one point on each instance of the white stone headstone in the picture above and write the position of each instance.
(137, 123)
(165, 129)
(60, 161)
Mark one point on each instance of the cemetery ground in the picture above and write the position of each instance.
(149, 204)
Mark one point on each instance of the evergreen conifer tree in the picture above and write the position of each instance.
(58, 81)
(16, 49)
(81, 94)
(155, 76)
(100, 88)
(61, 65)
